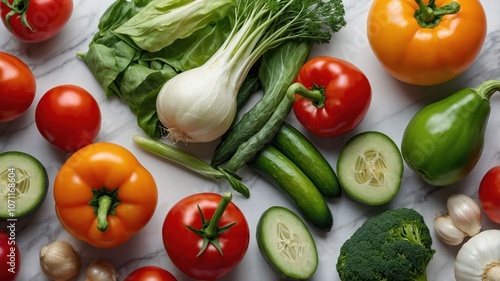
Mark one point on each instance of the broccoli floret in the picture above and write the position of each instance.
(395, 245)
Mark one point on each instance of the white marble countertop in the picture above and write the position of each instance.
(54, 62)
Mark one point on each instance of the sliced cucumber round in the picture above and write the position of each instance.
(286, 244)
(23, 184)
(370, 168)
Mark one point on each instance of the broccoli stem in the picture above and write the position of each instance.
(422, 277)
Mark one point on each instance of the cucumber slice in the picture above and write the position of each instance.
(286, 244)
(370, 168)
(23, 185)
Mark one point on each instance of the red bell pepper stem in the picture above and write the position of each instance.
(316, 95)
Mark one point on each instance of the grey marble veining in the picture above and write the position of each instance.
(54, 62)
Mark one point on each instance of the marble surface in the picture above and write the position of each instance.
(54, 62)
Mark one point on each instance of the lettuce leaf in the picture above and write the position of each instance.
(162, 22)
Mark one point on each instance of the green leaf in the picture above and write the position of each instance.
(280, 66)
(162, 22)
(107, 63)
(117, 14)
(138, 81)
(147, 118)
(187, 53)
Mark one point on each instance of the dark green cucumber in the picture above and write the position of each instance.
(247, 150)
(23, 185)
(291, 142)
(286, 244)
(283, 173)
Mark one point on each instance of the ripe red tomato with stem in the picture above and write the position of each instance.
(205, 235)
(17, 87)
(332, 96)
(68, 117)
(35, 21)
(150, 273)
(10, 258)
(489, 194)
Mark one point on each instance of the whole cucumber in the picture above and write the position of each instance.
(257, 141)
(283, 173)
(294, 145)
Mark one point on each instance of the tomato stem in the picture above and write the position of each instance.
(316, 95)
(17, 7)
(488, 88)
(210, 229)
(430, 15)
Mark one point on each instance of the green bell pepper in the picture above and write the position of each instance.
(444, 140)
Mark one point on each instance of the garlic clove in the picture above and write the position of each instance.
(59, 261)
(447, 232)
(465, 213)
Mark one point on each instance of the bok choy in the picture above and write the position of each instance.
(128, 71)
(199, 105)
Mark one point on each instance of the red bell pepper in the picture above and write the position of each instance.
(332, 96)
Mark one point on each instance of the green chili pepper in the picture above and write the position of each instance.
(444, 140)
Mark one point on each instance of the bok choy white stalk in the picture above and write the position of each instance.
(199, 105)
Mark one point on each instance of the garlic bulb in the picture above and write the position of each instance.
(465, 213)
(447, 231)
(59, 261)
(463, 219)
(479, 258)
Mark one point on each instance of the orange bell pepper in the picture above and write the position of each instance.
(103, 195)
(426, 44)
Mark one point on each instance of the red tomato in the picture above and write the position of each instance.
(183, 245)
(341, 98)
(10, 259)
(17, 87)
(68, 117)
(489, 194)
(44, 18)
(150, 273)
